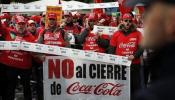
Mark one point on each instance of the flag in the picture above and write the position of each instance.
(97, 10)
(123, 9)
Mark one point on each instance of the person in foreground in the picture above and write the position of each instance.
(160, 36)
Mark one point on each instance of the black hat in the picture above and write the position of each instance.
(132, 3)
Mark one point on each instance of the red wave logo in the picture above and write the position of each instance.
(109, 89)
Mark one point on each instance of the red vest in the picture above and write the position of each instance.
(17, 59)
(91, 45)
(126, 45)
(54, 39)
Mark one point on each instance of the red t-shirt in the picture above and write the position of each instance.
(54, 39)
(126, 45)
(17, 59)
(71, 29)
(91, 45)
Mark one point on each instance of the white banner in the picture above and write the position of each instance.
(109, 30)
(68, 52)
(9, 45)
(42, 8)
(68, 78)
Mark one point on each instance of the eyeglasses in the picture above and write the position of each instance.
(127, 20)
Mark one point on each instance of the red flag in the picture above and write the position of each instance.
(123, 9)
(98, 10)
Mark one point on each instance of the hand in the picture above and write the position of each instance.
(98, 34)
(87, 25)
(62, 25)
(131, 57)
(42, 57)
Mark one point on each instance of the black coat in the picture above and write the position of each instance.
(162, 64)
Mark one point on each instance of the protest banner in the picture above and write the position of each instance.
(9, 45)
(109, 30)
(54, 10)
(68, 52)
(67, 78)
(42, 7)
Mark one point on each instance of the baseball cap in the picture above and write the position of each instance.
(5, 16)
(67, 14)
(20, 19)
(31, 22)
(52, 16)
(127, 16)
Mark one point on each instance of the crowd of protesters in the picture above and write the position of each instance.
(75, 31)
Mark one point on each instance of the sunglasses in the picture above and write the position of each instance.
(52, 19)
(127, 20)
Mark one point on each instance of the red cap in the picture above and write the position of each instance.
(127, 16)
(52, 16)
(5, 16)
(20, 19)
(92, 16)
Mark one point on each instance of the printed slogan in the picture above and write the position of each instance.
(68, 78)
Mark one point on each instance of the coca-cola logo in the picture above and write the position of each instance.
(109, 89)
(127, 45)
(91, 38)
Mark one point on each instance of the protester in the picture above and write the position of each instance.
(114, 22)
(42, 24)
(125, 42)
(31, 27)
(53, 35)
(92, 41)
(69, 25)
(70, 29)
(18, 62)
(139, 20)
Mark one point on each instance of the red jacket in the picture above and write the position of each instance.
(126, 45)
(17, 59)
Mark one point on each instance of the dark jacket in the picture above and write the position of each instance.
(162, 63)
